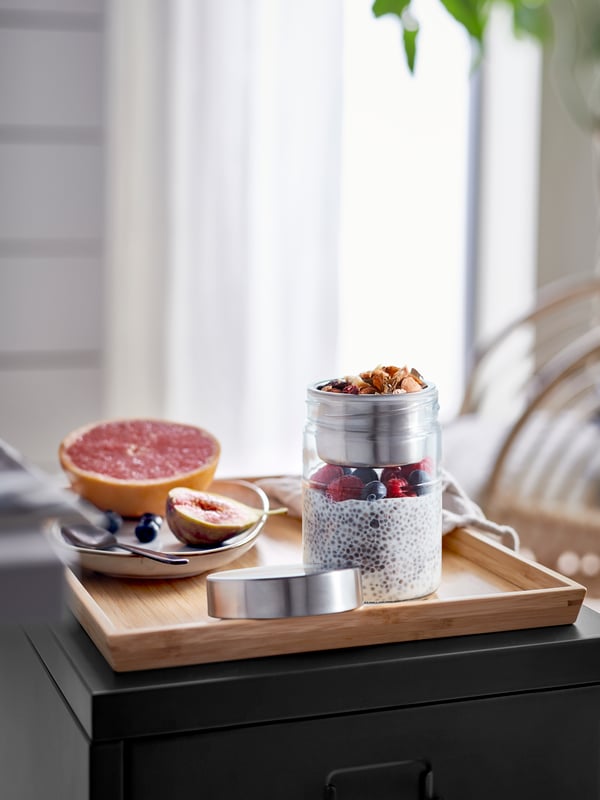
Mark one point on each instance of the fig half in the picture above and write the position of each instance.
(202, 518)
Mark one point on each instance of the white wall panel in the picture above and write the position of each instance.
(50, 304)
(51, 221)
(50, 191)
(37, 408)
(72, 6)
(50, 77)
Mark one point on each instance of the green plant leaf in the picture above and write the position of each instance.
(409, 35)
(530, 17)
(470, 14)
(410, 26)
(533, 20)
(397, 7)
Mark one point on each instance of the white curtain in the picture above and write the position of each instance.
(137, 232)
(235, 280)
(237, 276)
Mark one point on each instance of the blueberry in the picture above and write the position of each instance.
(112, 521)
(366, 474)
(155, 519)
(420, 480)
(375, 490)
(146, 531)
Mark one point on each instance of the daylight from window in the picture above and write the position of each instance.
(404, 197)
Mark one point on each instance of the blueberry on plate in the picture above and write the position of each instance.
(374, 491)
(146, 531)
(112, 521)
(154, 519)
(148, 527)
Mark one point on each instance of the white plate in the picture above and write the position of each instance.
(121, 564)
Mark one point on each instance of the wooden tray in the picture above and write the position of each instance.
(140, 624)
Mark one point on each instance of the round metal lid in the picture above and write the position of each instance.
(282, 591)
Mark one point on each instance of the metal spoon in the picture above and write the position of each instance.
(82, 535)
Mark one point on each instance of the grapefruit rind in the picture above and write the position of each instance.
(133, 497)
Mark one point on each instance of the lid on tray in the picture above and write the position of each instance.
(282, 591)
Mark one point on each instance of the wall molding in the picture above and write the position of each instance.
(22, 19)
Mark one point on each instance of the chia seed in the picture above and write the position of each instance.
(398, 551)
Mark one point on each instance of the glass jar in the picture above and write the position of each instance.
(372, 495)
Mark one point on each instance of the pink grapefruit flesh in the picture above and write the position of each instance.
(130, 465)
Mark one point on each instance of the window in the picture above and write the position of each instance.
(405, 174)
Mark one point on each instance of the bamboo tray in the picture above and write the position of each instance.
(139, 624)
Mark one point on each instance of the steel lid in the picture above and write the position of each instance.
(282, 591)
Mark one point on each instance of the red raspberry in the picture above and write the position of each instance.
(399, 487)
(426, 464)
(324, 476)
(348, 487)
(387, 473)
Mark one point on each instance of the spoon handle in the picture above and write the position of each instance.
(153, 554)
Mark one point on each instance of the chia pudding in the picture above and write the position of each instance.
(395, 541)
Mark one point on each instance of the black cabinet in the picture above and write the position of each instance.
(507, 716)
(500, 748)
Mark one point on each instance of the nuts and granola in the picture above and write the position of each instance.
(381, 380)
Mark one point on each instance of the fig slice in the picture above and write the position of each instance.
(202, 518)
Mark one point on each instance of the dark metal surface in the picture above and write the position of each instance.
(208, 696)
(507, 715)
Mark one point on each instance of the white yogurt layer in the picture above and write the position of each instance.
(396, 542)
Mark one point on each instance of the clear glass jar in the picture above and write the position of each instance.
(372, 495)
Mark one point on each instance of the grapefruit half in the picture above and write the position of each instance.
(129, 465)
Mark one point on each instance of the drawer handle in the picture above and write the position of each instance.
(426, 791)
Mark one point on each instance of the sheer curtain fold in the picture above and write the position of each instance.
(136, 226)
(254, 198)
(247, 172)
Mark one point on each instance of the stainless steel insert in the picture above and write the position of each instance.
(372, 430)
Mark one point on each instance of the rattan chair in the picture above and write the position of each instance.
(531, 418)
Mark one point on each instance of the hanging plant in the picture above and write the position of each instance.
(530, 18)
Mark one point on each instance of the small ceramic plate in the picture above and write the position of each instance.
(121, 564)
